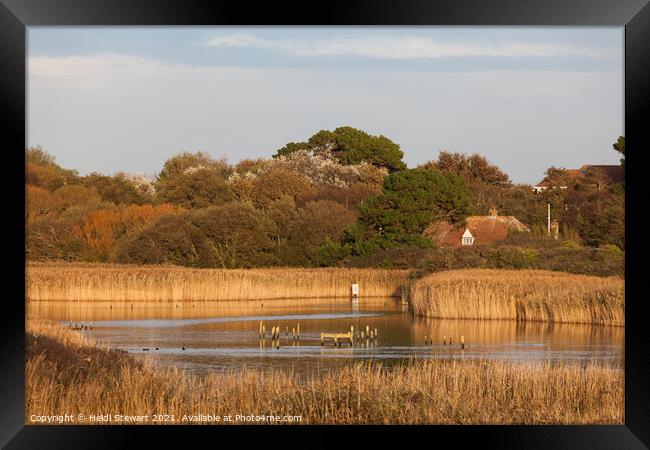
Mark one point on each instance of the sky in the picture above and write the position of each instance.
(109, 99)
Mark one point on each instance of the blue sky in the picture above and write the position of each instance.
(109, 99)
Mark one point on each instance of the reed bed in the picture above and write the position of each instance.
(525, 295)
(88, 282)
(68, 375)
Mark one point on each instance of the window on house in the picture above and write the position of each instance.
(468, 241)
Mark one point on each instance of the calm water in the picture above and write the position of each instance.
(224, 335)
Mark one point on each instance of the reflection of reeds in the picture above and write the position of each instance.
(519, 294)
(557, 336)
(81, 379)
(78, 282)
(96, 310)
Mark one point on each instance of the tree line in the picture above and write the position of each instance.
(341, 197)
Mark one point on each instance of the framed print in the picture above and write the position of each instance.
(365, 218)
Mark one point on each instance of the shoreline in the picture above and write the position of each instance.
(521, 295)
(65, 372)
(130, 283)
(484, 294)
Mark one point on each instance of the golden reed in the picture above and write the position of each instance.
(531, 295)
(424, 392)
(88, 282)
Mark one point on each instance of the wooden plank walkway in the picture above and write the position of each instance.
(336, 338)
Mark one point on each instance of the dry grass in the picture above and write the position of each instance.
(88, 282)
(520, 295)
(75, 378)
(56, 332)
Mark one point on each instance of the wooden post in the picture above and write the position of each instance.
(375, 333)
(449, 340)
(321, 338)
(444, 341)
(426, 342)
(263, 331)
(298, 331)
(462, 342)
(260, 333)
(286, 331)
(293, 333)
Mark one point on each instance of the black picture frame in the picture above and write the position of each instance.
(634, 15)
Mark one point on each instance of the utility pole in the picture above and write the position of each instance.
(549, 219)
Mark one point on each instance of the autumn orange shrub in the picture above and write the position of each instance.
(100, 229)
(39, 202)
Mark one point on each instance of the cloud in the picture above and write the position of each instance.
(401, 47)
(88, 67)
(118, 112)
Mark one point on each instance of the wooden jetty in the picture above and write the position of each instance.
(336, 338)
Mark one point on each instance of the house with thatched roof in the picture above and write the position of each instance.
(479, 230)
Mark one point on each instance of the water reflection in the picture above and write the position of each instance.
(213, 336)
